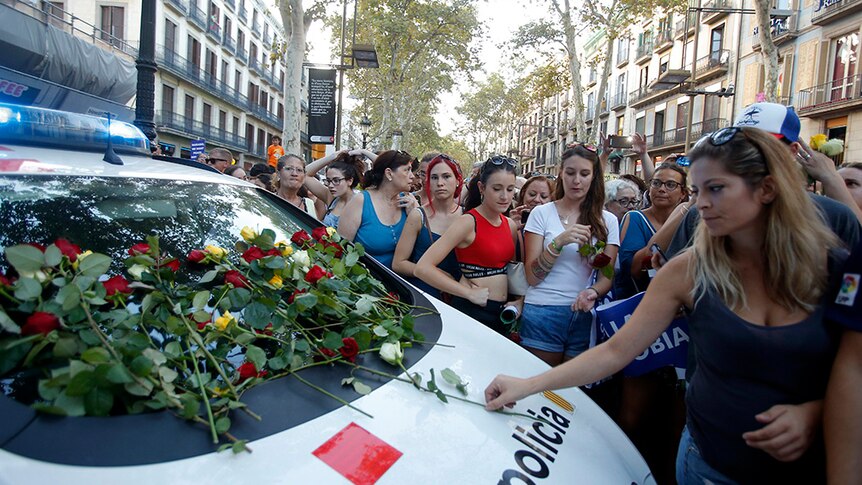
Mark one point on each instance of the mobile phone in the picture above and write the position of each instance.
(654, 248)
(620, 141)
(525, 214)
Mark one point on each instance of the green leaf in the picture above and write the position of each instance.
(141, 366)
(81, 384)
(208, 276)
(608, 272)
(363, 338)
(332, 341)
(25, 258)
(142, 388)
(365, 304)
(95, 265)
(96, 355)
(167, 374)
(66, 347)
(118, 374)
(245, 338)
(301, 346)
(450, 376)
(239, 297)
(361, 388)
(27, 289)
(200, 299)
(157, 357)
(191, 405)
(351, 259)
(239, 446)
(69, 297)
(441, 396)
(277, 363)
(53, 256)
(71, 405)
(275, 262)
(462, 388)
(173, 349)
(380, 331)
(257, 315)
(98, 402)
(417, 379)
(7, 325)
(222, 425)
(256, 356)
(306, 301)
(12, 351)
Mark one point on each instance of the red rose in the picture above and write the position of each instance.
(515, 337)
(5, 280)
(248, 371)
(300, 238)
(138, 249)
(196, 256)
(203, 325)
(315, 274)
(339, 251)
(173, 265)
(267, 330)
(68, 249)
(38, 246)
(117, 284)
(40, 322)
(236, 278)
(294, 295)
(252, 254)
(350, 349)
(272, 252)
(601, 260)
(319, 233)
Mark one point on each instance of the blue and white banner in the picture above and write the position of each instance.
(670, 348)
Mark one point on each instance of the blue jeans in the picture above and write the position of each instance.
(555, 328)
(691, 469)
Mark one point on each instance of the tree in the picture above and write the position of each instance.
(422, 47)
(768, 51)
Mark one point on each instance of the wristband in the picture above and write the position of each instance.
(557, 248)
(554, 252)
(598, 295)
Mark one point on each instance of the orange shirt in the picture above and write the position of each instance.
(273, 153)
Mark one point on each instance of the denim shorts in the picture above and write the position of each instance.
(691, 468)
(555, 328)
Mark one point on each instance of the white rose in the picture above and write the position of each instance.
(392, 353)
(136, 270)
(301, 258)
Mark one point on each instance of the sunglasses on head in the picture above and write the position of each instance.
(443, 156)
(500, 160)
(576, 144)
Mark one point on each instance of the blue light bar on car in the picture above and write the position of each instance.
(28, 125)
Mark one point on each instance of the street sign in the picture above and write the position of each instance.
(198, 147)
(321, 106)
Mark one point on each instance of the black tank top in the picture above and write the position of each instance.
(744, 369)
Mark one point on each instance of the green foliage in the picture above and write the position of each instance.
(192, 347)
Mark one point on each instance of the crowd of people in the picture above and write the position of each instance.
(765, 272)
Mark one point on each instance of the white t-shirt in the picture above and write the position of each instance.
(571, 272)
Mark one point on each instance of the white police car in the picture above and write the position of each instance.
(53, 181)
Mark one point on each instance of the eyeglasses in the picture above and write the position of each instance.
(333, 181)
(293, 170)
(626, 202)
(500, 160)
(670, 184)
(216, 160)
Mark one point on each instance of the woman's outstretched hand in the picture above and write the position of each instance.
(505, 391)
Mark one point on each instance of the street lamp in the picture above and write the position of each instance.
(364, 127)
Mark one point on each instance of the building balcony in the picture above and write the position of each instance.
(254, 65)
(214, 31)
(267, 39)
(643, 53)
(241, 54)
(622, 57)
(714, 10)
(229, 44)
(712, 66)
(680, 31)
(783, 29)
(255, 27)
(619, 101)
(243, 17)
(663, 40)
(198, 17)
(179, 124)
(830, 10)
(645, 95)
(181, 6)
(231, 4)
(263, 114)
(675, 137)
(833, 97)
(591, 113)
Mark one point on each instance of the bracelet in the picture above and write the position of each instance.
(598, 295)
(552, 248)
(557, 248)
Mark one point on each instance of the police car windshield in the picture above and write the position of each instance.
(108, 215)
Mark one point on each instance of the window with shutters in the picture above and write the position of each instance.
(113, 24)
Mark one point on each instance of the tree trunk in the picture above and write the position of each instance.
(293, 18)
(603, 87)
(575, 70)
(769, 52)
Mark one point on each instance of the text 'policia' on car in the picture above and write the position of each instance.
(161, 306)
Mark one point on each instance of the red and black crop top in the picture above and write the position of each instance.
(490, 251)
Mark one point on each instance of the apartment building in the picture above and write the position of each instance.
(216, 78)
(657, 77)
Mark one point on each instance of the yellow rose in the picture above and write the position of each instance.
(223, 321)
(216, 252)
(286, 250)
(81, 258)
(331, 231)
(817, 140)
(276, 281)
(248, 234)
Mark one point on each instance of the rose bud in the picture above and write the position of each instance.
(173, 265)
(319, 233)
(300, 238)
(117, 284)
(138, 249)
(350, 349)
(5, 280)
(248, 371)
(236, 279)
(68, 249)
(295, 293)
(601, 260)
(252, 254)
(315, 274)
(196, 256)
(40, 322)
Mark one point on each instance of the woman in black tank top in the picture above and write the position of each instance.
(753, 284)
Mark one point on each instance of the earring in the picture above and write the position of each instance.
(389, 178)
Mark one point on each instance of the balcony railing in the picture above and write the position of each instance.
(214, 30)
(619, 100)
(255, 27)
(243, 17)
(664, 40)
(644, 51)
(835, 94)
(782, 29)
(831, 10)
(242, 54)
(231, 4)
(198, 17)
(714, 63)
(680, 31)
(676, 136)
(230, 43)
(254, 64)
(267, 39)
(720, 9)
(181, 5)
(622, 56)
(193, 128)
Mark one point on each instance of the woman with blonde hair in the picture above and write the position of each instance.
(753, 285)
(289, 185)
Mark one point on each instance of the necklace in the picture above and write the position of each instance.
(565, 220)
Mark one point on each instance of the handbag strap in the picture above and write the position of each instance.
(427, 224)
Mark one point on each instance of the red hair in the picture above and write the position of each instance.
(455, 170)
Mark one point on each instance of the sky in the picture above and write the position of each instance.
(501, 17)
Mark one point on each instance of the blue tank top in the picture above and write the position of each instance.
(378, 239)
(744, 369)
(449, 263)
(330, 219)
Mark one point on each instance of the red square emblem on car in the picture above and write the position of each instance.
(358, 455)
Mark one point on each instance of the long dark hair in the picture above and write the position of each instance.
(391, 159)
(594, 203)
(351, 166)
(474, 197)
